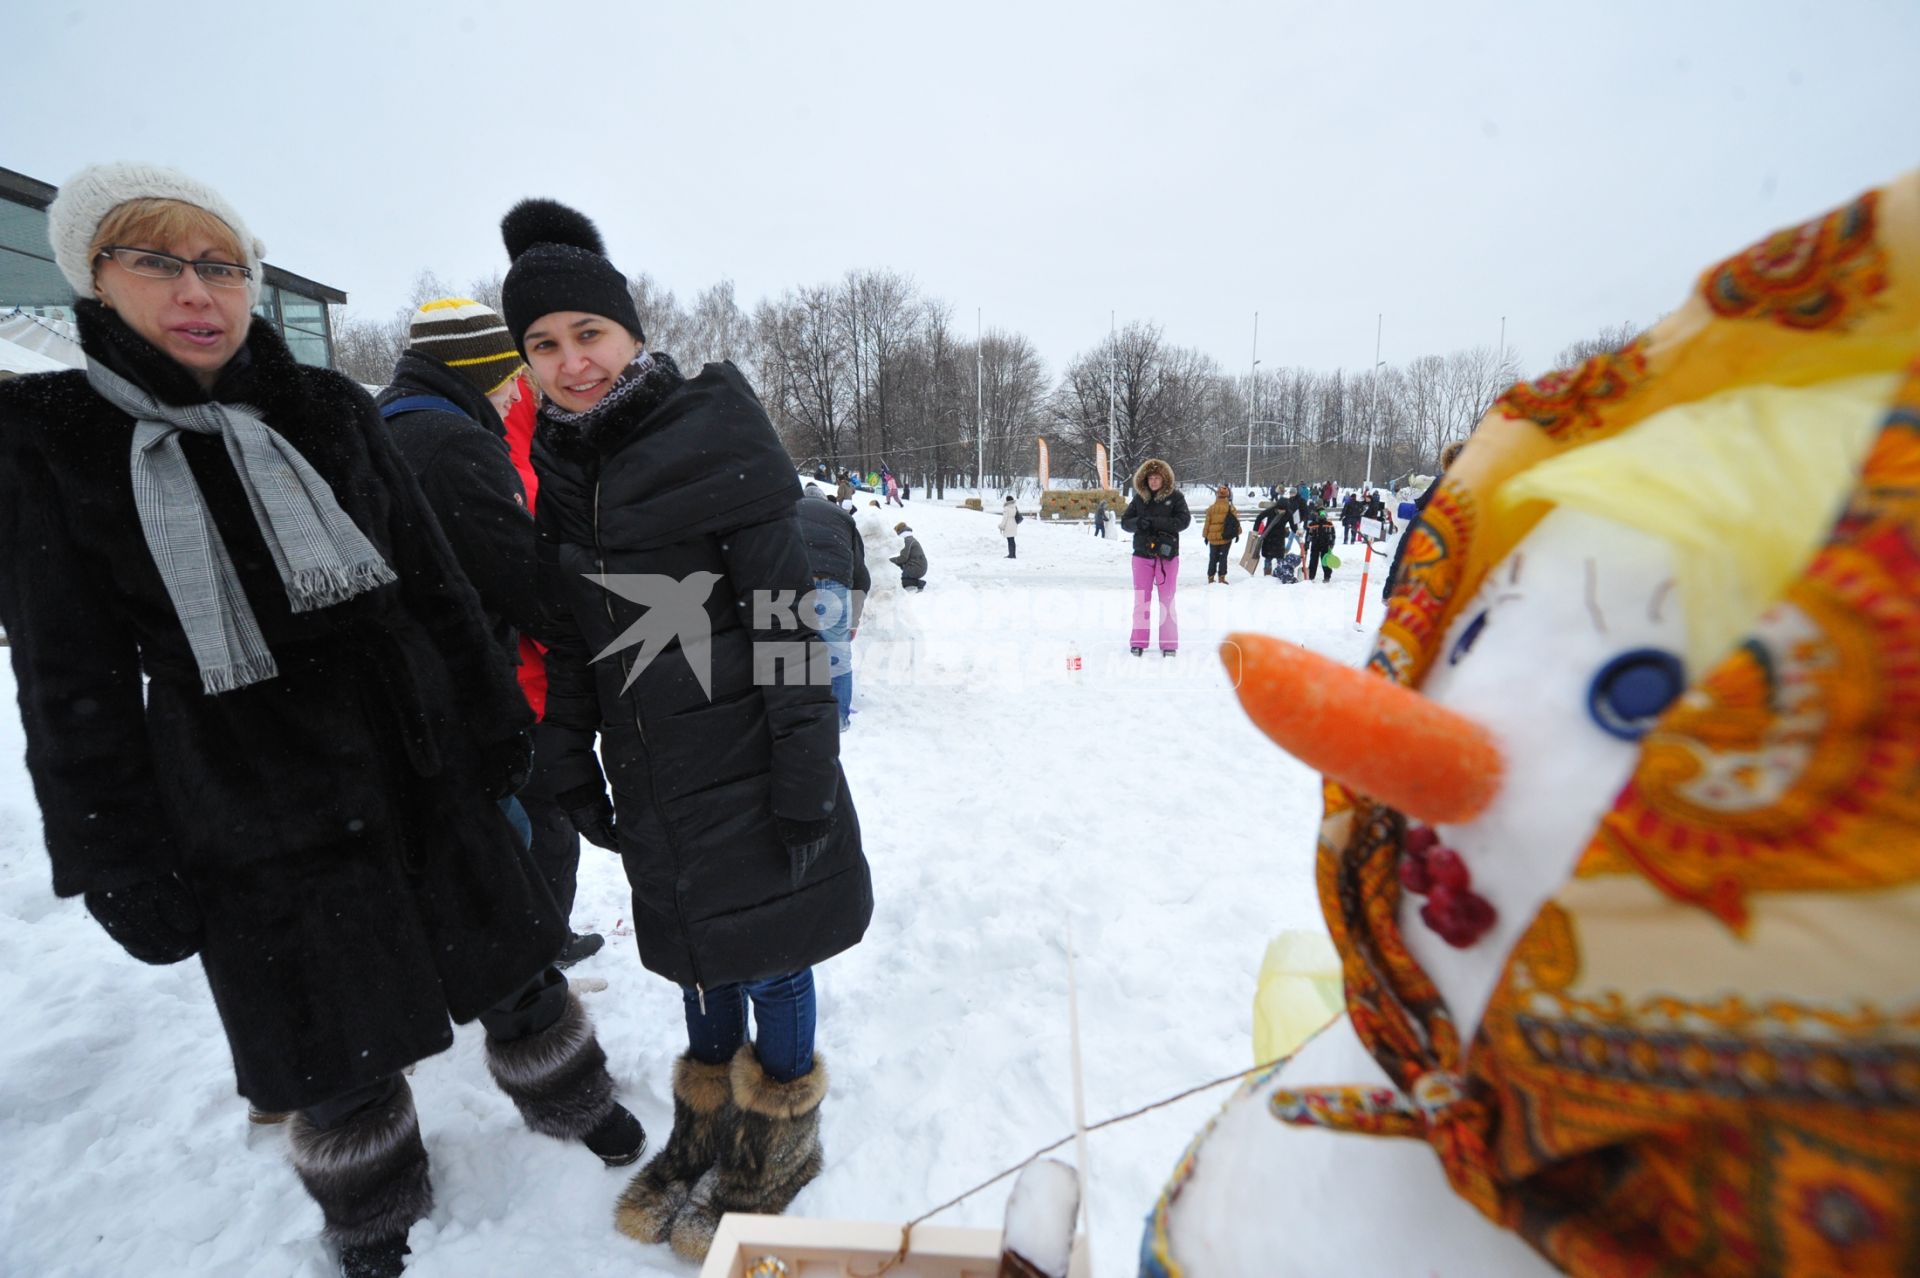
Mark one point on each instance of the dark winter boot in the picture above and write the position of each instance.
(368, 1172)
(579, 947)
(557, 1078)
(773, 1153)
(379, 1260)
(703, 1120)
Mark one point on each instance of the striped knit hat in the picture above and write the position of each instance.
(468, 338)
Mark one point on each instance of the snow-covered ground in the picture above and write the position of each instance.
(1002, 798)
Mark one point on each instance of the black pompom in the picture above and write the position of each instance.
(532, 222)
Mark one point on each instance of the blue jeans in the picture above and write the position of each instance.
(838, 634)
(783, 1013)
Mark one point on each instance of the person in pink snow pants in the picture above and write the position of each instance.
(1155, 517)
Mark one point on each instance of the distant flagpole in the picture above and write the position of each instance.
(979, 408)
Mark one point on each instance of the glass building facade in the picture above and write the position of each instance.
(31, 284)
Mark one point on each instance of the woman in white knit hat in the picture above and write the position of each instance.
(306, 792)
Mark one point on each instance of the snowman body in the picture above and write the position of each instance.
(1525, 658)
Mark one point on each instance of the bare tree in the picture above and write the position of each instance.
(1166, 400)
(487, 289)
(804, 373)
(365, 348)
(717, 329)
(1608, 339)
(665, 323)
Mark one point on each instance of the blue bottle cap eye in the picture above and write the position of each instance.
(1631, 691)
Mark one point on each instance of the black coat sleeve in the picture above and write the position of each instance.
(76, 667)
(1130, 518)
(564, 761)
(476, 495)
(1178, 516)
(440, 597)
(802, 716)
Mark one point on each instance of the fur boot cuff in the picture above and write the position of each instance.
(369, 1174)
(557, 1078)
(701, 1087)
(757, 1093)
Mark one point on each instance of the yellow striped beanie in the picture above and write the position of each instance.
(468, 338)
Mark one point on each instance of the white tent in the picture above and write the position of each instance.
(15, 359)
(54, 341)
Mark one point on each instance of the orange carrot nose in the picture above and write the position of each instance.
(1366, 732)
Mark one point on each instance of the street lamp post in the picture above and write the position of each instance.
(979, 413)
(1253, 386)
(1113, 391)
(1373, 417)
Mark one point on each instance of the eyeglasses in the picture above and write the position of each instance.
(165, 266)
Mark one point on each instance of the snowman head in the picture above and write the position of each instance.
(1625, 569)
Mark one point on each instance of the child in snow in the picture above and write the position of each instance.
(1155, 517)
(728, 804)
(1319, 545)
(1222, 529)
(912, 561)
(306, 792)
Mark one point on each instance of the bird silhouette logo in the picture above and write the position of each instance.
(672, 608)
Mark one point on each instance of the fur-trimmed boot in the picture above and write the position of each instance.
(369, 1175)
(703, 1120)
(773, 1152)
(557, 1078)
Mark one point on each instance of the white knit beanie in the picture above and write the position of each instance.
(92, 193)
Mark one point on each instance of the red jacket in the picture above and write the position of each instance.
(520, 423)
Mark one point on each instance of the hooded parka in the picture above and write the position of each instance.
(356, 885)
(1155, 519)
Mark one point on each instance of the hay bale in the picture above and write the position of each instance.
(1078, 503)
(972, 503)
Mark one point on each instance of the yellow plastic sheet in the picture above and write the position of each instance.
(1299, 993)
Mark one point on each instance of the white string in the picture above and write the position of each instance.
(1079, 1098)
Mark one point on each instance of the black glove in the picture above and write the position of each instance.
(505, 765)
(154, 920)
(805, 841)
(591, 812)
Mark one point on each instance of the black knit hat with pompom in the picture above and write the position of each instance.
(559, 264)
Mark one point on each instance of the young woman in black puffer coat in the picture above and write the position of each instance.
(667, 510)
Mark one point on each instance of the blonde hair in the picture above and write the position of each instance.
(1743, 486)
(157, 223)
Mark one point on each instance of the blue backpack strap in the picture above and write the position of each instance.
(417, 403)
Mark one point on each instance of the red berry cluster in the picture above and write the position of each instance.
(1428, 868)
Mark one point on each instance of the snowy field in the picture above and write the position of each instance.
(1001, 797)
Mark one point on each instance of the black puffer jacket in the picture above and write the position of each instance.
(355, 884)
(1155, 520)
(462, 464)
(686, 479)
(1276, 529)
(834, 548)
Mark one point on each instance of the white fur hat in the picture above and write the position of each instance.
(92, 193)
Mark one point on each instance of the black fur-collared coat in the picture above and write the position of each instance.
(687, 477)
(356, 884)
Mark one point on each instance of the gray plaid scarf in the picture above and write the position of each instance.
(323, 559)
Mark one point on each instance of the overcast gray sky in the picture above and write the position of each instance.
(1564, 165)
